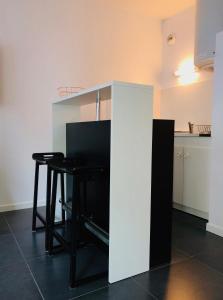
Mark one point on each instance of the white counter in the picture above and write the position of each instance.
(185, 134)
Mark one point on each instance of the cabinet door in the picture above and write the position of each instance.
(178, 174)
(196, 177)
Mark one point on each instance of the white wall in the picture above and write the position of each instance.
(187, 103)
(45, 44)
(183, 103)
(215, 224)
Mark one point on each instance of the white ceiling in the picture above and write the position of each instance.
(167, 8)
(162, 9)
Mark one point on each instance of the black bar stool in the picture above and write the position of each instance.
(79, 174)
(44, 159)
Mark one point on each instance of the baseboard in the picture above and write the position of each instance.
(218, 230)
(192, 211)
(19, 205)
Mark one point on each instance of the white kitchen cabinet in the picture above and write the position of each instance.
(196, 178)
(191, 175)
(178, 175)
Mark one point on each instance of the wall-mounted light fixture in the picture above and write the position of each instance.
(171, 39)
(187, 72)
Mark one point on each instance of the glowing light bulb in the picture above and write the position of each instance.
(187, 73)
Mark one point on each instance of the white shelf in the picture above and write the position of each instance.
(100, 87)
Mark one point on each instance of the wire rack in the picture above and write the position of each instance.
(65, 91)
(203, 129)
(200, 129)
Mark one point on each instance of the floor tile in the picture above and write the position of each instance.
(20, 220)
(17, 283)
(123, 290)
(52, 273)
(213, 258)
(9, 251)
(4, 229)
(189, 280)
(31, 243)
(193, 241)
(185, 218)
(178, 256)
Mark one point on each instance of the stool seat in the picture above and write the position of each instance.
(44, 158)
(74, 166)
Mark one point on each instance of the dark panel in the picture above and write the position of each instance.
(161, 193)
(90, 142)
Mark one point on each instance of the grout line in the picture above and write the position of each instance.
(25, 261)
(194, 257)
(208, 266)
(204, 251)
(183, 260)
(88, 293)
(181, 251)
(191, 255)
(143, 288)
(180, 260)
(185, 253)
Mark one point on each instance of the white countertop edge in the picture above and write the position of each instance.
(186, 134)
(181, 134)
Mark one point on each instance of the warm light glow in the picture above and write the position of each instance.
(187, 73)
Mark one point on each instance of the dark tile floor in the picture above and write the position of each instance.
(195, 273)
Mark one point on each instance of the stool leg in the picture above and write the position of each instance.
(52, 212)
(35, 196)
(85, 196)
(48, 195)
(73, 253)
(62, 197)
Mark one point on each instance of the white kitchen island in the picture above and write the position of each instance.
(130, 107)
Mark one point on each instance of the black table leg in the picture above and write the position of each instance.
(35, 196)
(52, 212)
(48, 195)
(62, 197)
(73, 252)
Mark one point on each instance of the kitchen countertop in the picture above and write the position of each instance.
(187, 134)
